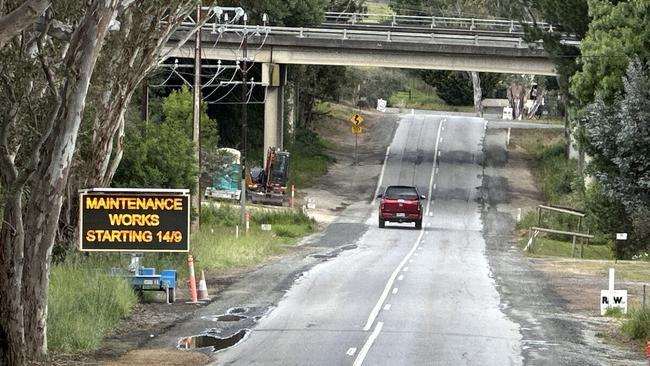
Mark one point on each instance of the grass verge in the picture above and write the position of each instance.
(637, 326)
(86, 303)
(561, 248)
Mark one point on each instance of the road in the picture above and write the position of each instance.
(402, 296)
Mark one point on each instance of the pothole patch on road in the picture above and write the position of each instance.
(211, 342)
(225, 317)
(236, 310)
(334, 253)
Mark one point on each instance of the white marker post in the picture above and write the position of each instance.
(611, 298)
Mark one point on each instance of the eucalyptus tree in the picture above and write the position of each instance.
(49, 52)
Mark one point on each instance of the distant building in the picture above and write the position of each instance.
(494, 107)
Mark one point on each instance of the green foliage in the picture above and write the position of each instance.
(638, 324)
(370, 84)
(617, 136)
(614, 313)
(455, 87)
(617, 33)
(85, 305)
(309, 159)
(161, 154)
(556, 175)
(156, 156)
(177, 112)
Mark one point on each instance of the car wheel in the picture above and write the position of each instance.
(418, 224)
(382, 223)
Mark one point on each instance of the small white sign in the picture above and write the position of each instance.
(621, 236)
(381, 105)
(507, 113)
(266, 227)
(613, 299)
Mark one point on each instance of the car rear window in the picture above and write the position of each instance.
(406, 193)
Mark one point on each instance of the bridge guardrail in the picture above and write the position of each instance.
(509, 41)
(432, 22)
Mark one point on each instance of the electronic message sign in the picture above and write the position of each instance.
(134, 220)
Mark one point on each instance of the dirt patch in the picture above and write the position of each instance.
(165, 357)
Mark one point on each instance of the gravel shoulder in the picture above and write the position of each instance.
(557, 308)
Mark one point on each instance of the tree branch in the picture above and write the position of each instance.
(22, 17)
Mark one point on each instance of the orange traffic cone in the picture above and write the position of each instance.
(203, 289)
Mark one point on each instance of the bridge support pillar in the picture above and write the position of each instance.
(275, 76)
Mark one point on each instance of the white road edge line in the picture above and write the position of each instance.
(389, 284)
(381, 175)
(366, 347)
(351, 351)
(433, 168)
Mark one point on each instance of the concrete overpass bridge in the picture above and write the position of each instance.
(348, 39)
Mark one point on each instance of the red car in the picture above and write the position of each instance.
(400, 204)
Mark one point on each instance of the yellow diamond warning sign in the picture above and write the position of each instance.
(356, 120)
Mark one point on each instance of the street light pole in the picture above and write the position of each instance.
(244, 127)
(196, 116)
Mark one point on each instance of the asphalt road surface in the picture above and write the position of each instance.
(403, 296)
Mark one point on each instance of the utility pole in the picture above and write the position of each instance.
(244, 128)
(196, 117)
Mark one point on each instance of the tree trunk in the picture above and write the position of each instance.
(47, 188)
(478, 94)
(12, 240)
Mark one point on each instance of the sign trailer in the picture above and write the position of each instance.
(137, 220)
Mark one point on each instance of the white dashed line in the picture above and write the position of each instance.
(395, 290)
(366, 347)
(401, 277)
(410, 260)
(351, 351)
(433, 171)
(389, 284)
(387, 307)
(406, 269)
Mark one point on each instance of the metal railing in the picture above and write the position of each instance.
(507, 41)
(433, 22)
(509, 37)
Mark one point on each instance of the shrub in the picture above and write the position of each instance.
(638, 325)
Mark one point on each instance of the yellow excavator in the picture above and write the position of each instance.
(269, 185)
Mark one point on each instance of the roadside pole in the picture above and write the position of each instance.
(356, 142)
(244, 130)
(196, 112)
